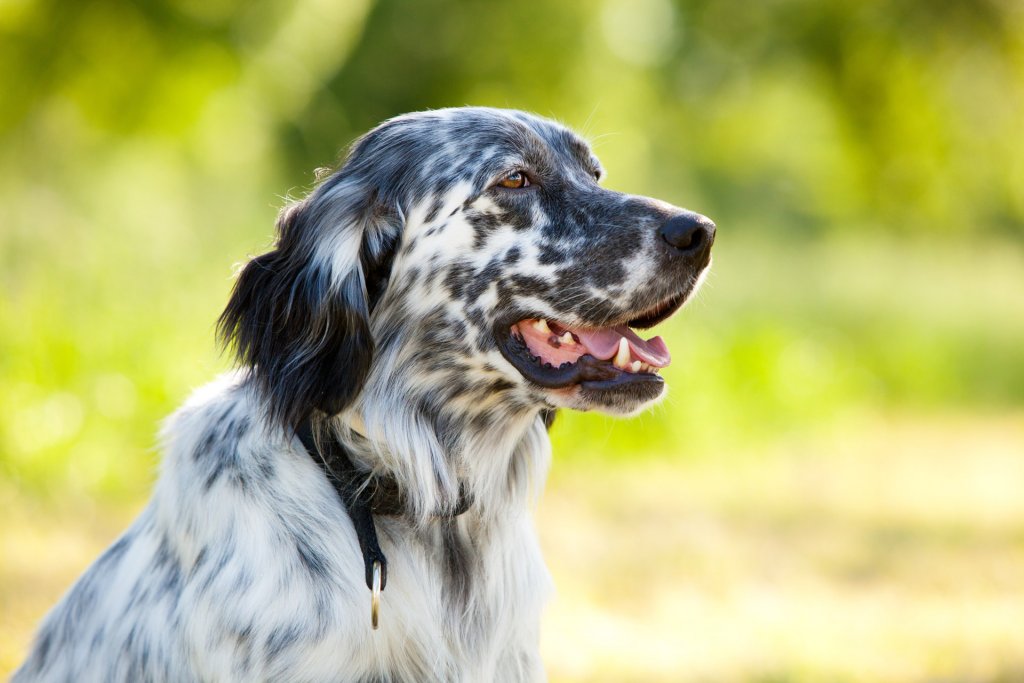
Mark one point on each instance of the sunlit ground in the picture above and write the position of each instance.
(891, 552)
(886, 551)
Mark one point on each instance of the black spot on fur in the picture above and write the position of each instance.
(457, 561)
(42, 649)
(200, 560)
(435, 209)
(377, 257)
(243, 651)
(528, 284)
(482, 279)
(217, 450)
(167, 569)
(484, 224)
(114, 552)
(212, 477)
(266, 467)
(457, 278)
(554, 254)
(310, 558)
(282, 638)
(99, 637)
(499, 385)
(211, 570)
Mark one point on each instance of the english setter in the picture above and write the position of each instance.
(423, 313)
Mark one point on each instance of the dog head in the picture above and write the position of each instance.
(470, 260)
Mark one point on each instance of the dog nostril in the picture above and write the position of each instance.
(688, 232)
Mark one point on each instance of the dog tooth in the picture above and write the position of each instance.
(567, 338)
(542, 326)
(622, 357)
(635, 366)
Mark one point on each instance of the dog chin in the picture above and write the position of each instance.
(620, 402)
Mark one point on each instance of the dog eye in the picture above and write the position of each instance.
(515, 180)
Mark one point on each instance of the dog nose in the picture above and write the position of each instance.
(689, 233)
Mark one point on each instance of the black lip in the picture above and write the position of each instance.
(624, 379)
(632, 388)
(661, 312)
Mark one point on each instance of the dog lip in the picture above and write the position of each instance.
(622, 380)
(660, 312)
(635, 389)
(586, 371)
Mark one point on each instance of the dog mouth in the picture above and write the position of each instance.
(555, 355)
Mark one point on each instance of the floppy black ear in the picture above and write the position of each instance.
(299, 314)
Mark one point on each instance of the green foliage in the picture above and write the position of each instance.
(863, 161)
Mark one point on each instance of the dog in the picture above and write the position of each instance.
(402, 351)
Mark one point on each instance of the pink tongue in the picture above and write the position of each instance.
(604, 343)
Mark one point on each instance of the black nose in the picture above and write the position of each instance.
(689, 233)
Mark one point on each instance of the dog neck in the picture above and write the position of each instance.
(437, 460)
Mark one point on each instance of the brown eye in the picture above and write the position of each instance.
(514, 180)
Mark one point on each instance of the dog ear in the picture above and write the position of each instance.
(299, 315)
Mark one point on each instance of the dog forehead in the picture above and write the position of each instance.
(469, 139)
(560, 139)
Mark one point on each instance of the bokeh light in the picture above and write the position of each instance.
(830, 492)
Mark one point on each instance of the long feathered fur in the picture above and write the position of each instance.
(379, 314)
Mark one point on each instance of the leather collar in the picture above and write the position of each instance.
(364, 495)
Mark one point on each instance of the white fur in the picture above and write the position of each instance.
(216, 625)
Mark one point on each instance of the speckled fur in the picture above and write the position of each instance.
(374, 315)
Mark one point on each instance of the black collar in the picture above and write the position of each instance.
(363, 494)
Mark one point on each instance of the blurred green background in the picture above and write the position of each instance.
(832, 490)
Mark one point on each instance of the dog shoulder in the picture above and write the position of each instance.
(117, 621)
(260, 533)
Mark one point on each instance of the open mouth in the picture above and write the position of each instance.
(555, 355)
